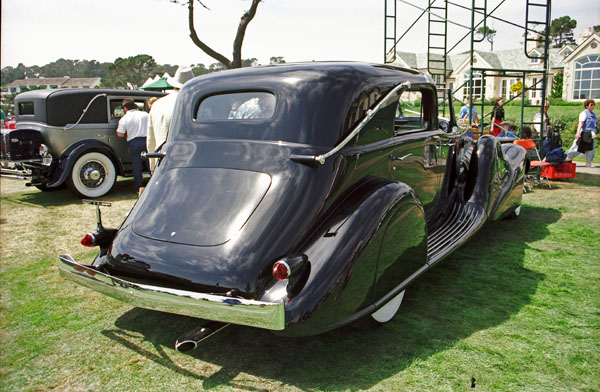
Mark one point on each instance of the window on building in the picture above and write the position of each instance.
(535, 60)
(477, 85)
(586, 83)
(504, 88)
(567, 53)
(534, 86)
(510, 93)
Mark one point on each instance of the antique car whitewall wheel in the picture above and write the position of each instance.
(93, 175)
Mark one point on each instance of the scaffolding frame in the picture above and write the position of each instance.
(438, 52)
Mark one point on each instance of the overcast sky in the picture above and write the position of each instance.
(37, 32)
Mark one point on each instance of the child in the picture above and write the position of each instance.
(525, 132)
(507, 130)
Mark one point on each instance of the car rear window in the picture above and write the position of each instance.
(26, 108)
(236, 106)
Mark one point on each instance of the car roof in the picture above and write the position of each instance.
(315, 70)
(84, 92)
(315, 100)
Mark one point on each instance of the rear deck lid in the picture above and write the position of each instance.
(199, 206)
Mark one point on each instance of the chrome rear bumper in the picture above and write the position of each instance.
(207, 306)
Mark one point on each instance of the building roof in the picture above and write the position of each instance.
(583, 45)
(38, 82)
(502, 59)
(65, 81)
(82, 82)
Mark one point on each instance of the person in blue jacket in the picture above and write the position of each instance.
(585, 139)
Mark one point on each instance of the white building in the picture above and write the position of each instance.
(580, 65)
(21, 85)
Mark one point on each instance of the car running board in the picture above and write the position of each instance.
(462, 223)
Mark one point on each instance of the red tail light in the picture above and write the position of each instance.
(88, 240)
(281, 270)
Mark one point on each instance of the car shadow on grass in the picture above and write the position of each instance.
(479, 287)
(122, 190)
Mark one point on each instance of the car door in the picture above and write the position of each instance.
(413, 159)
(119, 144)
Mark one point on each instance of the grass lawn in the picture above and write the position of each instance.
(517, 308)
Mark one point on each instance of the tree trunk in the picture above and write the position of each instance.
(237, 43)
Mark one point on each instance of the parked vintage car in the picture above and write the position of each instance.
(301, 198)
(68, 136)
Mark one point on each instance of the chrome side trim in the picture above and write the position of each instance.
(368, 116)
(241, 311)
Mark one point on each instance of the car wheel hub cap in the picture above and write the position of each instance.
(92, 174)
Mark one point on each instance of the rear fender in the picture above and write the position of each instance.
(68, 158)
(496, 181)
(343, 257)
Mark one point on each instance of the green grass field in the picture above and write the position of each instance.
(517, 308)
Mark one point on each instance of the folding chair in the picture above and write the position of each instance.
(535, 162)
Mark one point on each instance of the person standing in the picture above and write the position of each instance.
(134, 125)
(585, 139)
(162, 112)
(498, 116)
(537, 119)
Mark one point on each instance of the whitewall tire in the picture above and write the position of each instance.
(93, 175)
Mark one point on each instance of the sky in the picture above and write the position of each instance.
(37, 32)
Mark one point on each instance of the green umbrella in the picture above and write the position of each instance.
(160, 85)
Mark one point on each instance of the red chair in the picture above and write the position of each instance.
(535, 161)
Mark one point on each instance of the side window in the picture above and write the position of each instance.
(411, 113)
(25, 108)
(116, 107)
(380, 126)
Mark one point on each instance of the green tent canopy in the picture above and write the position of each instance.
(160, 85)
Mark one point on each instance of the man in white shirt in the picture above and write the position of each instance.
(134, 126)
(162, 112)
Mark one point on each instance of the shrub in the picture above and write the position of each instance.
(561, 102)
(517, 102)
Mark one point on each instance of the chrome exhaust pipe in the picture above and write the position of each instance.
(190, 340)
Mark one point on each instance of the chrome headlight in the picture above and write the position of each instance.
(45, 154)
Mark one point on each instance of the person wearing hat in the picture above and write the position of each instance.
(162, 112)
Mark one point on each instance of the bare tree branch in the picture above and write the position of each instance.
(241, 32)
(194, 36)
(180, 3)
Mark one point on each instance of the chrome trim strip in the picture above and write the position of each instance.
(241, 311)
(369, 115)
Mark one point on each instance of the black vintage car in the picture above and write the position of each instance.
(68, 136)
(300, 198)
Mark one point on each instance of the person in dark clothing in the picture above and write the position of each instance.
(497, 117)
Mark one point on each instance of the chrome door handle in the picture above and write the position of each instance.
(395, 158)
